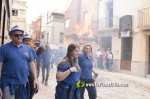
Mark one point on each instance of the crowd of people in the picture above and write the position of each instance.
(104, 59)
(20, 67)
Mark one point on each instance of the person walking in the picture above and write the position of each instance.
(110, 61)
(47, 59)
(26, 41)
(105, 60)
(14, 70)
(53, 59)
(86, 65)
(98, 58)
(108, 52)
(68, 75)
(39, 60)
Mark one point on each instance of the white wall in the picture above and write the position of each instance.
(19, 20)
(102, 9)
(68, 2)
(58, 27)
(55, 26)
(44, 21)
(128, 7)
(136, 47)
(145, 4)
(121, 8)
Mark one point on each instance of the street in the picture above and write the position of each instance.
(134, 87)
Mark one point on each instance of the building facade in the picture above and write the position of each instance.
(119, 25)
(54, 30)
(19, 9)
(81, 22)
(143, 24)
(37, 31)
(125, 30)
(43, 36)
(111, 31)
(5, 20)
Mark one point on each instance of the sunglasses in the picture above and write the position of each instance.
(17, 35)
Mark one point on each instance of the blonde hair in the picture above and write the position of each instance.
(83, 49)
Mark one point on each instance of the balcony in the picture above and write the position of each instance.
(108, 24)
(144, 19)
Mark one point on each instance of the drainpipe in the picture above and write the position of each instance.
(98, 14)
(0, 10)
(3, 28)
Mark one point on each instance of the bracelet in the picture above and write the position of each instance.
(69, 70)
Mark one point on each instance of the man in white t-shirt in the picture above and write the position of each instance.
(98, 53)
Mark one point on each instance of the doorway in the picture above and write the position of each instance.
(126, 54)
(106, 42)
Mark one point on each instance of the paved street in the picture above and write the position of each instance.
(133, 87)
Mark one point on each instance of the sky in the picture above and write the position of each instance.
(36, 7)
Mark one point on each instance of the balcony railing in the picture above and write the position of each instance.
(108, 22)
(144, 19)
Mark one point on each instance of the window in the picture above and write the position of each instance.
(61, 37)
(110, 14)
(14, 12)
(42, 37)
(59, 18)
(56, 17)
(67, 23)
(86, 16)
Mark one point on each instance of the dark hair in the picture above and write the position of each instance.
(40, 50)
(67, 58)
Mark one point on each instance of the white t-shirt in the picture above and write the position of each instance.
(110, 56)
(98, 54)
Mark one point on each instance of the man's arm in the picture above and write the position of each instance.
(33, 69)
(35, 63)
(34, 56)
(0, 68)
(50, 59)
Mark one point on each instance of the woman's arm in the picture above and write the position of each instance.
(62, 75)
(93, 70)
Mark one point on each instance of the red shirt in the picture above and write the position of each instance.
(105, 56)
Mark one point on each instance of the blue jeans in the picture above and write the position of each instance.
(7, 94)
(91, 90)
(67, 92)
(47, 67)
(105, 64)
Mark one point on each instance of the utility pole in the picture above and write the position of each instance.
(47, 37)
